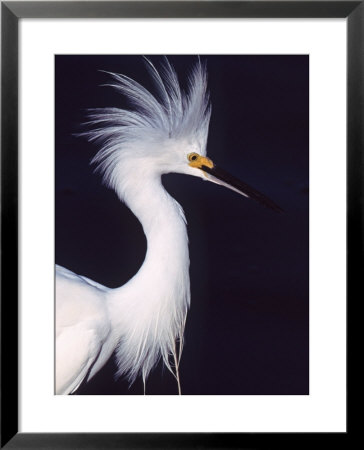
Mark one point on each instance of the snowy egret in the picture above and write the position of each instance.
(143, 320)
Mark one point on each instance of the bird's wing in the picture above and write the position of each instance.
(62, 271)
(82, 327)
(77, 349)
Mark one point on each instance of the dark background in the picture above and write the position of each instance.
(247, 328)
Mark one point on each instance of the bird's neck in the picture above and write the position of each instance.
(162, 219)
(164, 225)
(151, 308)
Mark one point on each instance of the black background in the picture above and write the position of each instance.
(247, 328)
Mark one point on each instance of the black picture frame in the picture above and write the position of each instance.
(11, 12)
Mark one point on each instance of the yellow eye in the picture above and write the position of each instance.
(192, 156)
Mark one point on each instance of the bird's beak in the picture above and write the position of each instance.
(220, 176)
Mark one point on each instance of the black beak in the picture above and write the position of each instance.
(222, 177)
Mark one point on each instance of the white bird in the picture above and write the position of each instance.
(143, 320)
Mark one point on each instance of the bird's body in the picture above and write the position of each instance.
(144, 319)
(83, 328)
(140, 316)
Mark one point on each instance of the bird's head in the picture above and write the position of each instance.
(164, 133)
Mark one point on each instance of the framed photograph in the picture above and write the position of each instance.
(179, 313)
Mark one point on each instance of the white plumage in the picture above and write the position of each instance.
(144, 319)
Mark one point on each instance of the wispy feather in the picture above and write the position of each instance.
(170, 114)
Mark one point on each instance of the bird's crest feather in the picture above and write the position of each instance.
(170, 114)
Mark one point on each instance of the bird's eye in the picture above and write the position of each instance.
(192, 156)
